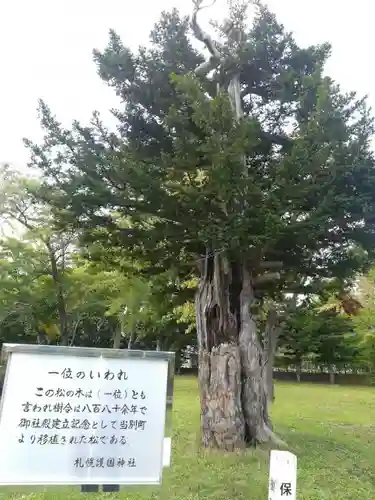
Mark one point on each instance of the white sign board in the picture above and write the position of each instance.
(71, 419)
(283, 476)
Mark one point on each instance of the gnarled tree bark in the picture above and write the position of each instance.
(233, 387)
(222, 419)
(254, 391)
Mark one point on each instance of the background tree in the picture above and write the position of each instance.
(218, 175)
(151, 308)
(106, 305)
(324, 338)
(27, 304)
(296, 340)
(364, 321)
(33, 219)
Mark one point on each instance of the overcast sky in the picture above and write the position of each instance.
(46, 46)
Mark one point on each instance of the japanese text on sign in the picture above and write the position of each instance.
(101, 419)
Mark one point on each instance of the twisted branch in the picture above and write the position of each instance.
(205, 38)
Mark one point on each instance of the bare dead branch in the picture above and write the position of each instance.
(201, 35)
(206, 67)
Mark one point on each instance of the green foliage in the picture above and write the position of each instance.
(326, 338)
(292, 181)
(99, 299)
(335, 342)
(26, 291)
(364, 322)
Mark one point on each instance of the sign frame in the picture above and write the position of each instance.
(92, 352)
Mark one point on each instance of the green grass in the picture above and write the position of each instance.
(330, 429)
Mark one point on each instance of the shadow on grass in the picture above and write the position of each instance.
(334, 455)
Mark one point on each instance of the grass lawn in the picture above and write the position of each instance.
(330, 429)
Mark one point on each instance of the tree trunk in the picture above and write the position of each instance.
(298, 372)
(271, 336)
(131, 340)
(255, 402)
(61, 306)
(269, 381)
(42, 338)
(331, 372)
(117, 338)
(234, 407)
(74, 332)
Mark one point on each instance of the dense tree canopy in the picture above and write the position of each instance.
(171, 182)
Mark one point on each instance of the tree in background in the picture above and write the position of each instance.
(218, 169)
(151, 309)
(295, 342)
(364, 322)
(321, 330)
(19, 205)
(106, 306)
(27, 305)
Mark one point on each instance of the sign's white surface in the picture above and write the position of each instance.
(82, 420)
(283, 476)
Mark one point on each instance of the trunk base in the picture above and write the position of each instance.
(222, 421)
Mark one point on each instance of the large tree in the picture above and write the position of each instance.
(228, 168)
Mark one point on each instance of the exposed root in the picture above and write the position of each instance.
(274, 439)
